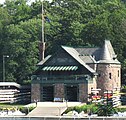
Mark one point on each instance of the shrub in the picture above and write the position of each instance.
(120, 109)
(86, 108)
(101, 110)
(26, 110)
(105, 110)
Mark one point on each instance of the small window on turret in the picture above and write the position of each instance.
(110, 75)
(118, 73)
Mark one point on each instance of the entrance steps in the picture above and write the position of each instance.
(51, 108)
(47, 111)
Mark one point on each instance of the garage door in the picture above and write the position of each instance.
(47, 93)
(71, 93)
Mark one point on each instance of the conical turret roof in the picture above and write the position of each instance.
(107, 54)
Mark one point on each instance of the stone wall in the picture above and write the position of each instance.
(35, 92)
(59, 91)
(109, 76)
(83, 93)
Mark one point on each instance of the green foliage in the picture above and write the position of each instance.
(14, 107)
(89, 23)
(18, 10)
(86, 108)
(105, 110)
(120, 109)
(101, 110)
(26, 110)
(123, 88)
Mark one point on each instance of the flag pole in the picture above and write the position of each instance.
(42, 23)
(42, 43)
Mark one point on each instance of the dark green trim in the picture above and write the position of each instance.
(62, 79)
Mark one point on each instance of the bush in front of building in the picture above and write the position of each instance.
(99, 109)
(26, 110)
(106, 110)
(121, 109)
(88, 108)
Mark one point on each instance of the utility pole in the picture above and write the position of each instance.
(4, 56)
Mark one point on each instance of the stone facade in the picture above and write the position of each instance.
(59, 91)
(109, 76)
(35, 92)
(83, 93)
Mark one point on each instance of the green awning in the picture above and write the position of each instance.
(60, 68)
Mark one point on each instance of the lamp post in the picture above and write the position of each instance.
(4, 56)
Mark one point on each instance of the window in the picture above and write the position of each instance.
(118, 73)
(110, 75)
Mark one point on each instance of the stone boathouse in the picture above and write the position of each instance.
(71, 73)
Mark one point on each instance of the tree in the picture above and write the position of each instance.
(18, 9)
(66, 22)
(22, 48)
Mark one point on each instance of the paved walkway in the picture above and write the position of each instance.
(50, 108)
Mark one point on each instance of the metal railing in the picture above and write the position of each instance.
(60, 118)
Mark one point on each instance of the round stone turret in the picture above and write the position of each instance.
(108, 69)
